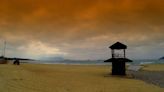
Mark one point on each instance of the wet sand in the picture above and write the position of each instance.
(152, 74)
(153, 77)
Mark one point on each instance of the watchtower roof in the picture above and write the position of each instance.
(118, 45)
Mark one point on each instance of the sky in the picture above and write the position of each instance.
(81, 29)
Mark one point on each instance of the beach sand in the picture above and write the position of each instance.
(69, 78)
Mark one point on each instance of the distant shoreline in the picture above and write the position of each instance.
(69, 62)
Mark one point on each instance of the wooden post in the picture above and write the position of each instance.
(112, 53)
(124, 53)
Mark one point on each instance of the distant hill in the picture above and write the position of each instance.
(17, 58)
(8, 58)
(162, 58)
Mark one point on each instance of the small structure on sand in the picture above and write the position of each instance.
(16, 62)
(3, 60)
(118, 59)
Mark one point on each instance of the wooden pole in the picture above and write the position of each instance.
(124, 53)
(112, 53)
(4, 49)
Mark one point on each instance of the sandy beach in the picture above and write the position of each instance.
(70, 78)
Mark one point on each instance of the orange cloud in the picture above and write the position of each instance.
(73, 25)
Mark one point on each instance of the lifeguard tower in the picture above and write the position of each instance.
(118, 59)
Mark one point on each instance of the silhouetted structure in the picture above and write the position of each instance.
(118, 59)
(3, 60)
(16, 62)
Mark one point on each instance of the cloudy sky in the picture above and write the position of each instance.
(81, 29)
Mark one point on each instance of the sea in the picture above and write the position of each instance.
(95, 62)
